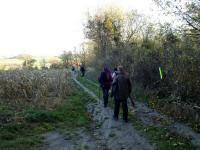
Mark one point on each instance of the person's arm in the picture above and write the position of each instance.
(129, 86)
(101, 79)
(114, 87)
(111, 78)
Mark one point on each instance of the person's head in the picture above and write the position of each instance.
(121, 69)
(105, 69)
(115, 69)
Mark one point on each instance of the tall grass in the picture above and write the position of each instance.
(33, 85)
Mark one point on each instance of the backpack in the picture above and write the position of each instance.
(105, 79)
(123, 87)
(108, 77)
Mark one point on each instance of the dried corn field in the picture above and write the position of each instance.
(33, 85)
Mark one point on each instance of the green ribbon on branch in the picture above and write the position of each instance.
(161, 74)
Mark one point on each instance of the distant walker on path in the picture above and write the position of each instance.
(82, 69)
(73, 70)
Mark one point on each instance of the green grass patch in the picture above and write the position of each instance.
(88, 84)
(22, 128)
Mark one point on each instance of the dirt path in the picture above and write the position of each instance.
(116, 134)
(105, 133)
(81, 139)
(150, 116)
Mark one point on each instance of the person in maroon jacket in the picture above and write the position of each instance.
(105, 80)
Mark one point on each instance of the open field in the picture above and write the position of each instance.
(6, 64)
(16, 63)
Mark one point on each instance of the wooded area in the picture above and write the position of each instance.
(141, 46)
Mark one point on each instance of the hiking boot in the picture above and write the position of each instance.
(125, 120)
(115, 118)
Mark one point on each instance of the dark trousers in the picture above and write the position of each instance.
(82, 73)
(124, 107)
(105, 96)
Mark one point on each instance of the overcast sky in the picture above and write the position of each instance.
(48, 27)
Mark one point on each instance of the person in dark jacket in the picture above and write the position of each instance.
(73, 68)
(105, 80)
(121, 90)
(82, 69)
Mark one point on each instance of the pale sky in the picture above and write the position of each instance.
(48, 27)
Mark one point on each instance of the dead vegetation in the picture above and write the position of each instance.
(180, 111)
(35, 85)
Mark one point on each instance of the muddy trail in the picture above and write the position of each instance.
(104, 133)
(151, 117)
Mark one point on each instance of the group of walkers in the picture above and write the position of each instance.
(120, 86)
(82, 70)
